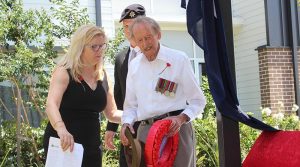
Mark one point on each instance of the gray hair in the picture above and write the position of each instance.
(144, 20)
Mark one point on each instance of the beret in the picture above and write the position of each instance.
(132, 11)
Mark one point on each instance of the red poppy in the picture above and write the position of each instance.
(167, 65)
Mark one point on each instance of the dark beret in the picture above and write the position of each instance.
(132, 11)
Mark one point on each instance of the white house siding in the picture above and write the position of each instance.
(251, 35)
(34, 4)
(107, 18)
(45, 4)
(109, 27)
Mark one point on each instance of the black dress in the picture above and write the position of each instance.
(79, 109)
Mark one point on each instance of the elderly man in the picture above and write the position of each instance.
(121, 66)
(162, 86)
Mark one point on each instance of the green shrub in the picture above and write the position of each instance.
(32, 152)
(206, 142)
(110, 158)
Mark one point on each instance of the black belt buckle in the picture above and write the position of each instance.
(150, 121)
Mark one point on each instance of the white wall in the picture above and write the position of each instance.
(251, 35)
(107, 18)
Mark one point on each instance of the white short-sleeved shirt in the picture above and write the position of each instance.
(142, 101)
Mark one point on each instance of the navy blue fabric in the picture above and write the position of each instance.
(206, 27)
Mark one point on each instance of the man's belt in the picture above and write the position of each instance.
(150, 121)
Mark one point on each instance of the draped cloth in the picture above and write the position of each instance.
(205, 25)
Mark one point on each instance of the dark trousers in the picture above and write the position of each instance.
(122, 158)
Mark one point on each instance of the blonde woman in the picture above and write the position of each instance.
(79, 90)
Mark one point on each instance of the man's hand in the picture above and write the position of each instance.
(109, 140)
(124, 139)
(177, 121)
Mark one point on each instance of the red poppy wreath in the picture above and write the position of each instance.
(160, 150)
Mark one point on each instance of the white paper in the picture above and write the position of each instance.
(56, 157)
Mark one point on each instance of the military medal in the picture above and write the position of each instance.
(166, 90)
(173, 87)
(166, 87)
(158, 84)
(167, 93)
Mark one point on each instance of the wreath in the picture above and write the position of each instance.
(160, 150)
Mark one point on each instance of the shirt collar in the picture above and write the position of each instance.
(136, 49)
(161, 55)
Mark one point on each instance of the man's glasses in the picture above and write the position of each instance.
(96, 48)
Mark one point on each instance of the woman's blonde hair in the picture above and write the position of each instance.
(71, 60)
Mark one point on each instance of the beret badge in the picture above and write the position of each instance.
(132, 14)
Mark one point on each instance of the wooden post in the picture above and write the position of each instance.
(228, 130)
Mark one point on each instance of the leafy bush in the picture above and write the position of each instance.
(26, 60)
(32, 152)
(206, 132)
(110, 158)
(206, 142)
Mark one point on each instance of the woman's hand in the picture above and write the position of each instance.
(109, 140)
(66, 139)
